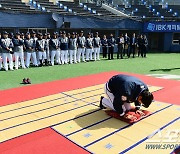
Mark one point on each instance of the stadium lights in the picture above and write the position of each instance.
(0, 5)
(158, 14)
(39, 6)
(143, 17)
(162, 17)
(34, 4)
(85, 7)
(94, 11)
(170, 10)
(70, 10)
(30, 1)
(175, 14)
(150, 7)
(65, 8)
(81, 4)
(61, 5)
(89, 9)
(43, 9)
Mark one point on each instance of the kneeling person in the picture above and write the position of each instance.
(123, 90)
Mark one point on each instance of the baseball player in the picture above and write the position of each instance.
(18, 50)
(0, 53)
(40, 47)
(54, 45)
(73, 48)
(122, 90)
(48, 50)
(89, 47)
(7, 45)
(33, 36)
(64, 48)
(97, 44)
(30, 50)
(81, 41)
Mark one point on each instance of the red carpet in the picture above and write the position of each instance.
(44, 141)
(48, 141)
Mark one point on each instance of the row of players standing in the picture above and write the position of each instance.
(45, 49)
(126, 45)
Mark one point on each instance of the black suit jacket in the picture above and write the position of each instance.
(131, 41)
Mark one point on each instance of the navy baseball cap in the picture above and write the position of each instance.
(5, 33)
(18, 33)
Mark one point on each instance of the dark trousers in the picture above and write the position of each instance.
(110, 52)
(120, 51)
(104, 52)
(140, 50)
(144, 51)
(132, 50)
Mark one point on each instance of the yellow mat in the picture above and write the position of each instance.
(76, 115)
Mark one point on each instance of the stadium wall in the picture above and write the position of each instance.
(90, 22)
(19, 20)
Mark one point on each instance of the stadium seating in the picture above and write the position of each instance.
(49, 6)
(150, 12)
(16, 6)
(89, 9)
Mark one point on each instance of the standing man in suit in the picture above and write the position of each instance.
(133, 42)
(126, 44)
(120, 42)
(104, 43)
(7, 45)
(111, 44)
(144, 46)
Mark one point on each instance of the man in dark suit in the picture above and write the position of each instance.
(111, 44)
(120, 42)
(140, 45)
(133, 42)
(126, 44)
(104, 43)
(144, 46)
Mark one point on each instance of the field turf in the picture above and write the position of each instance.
(154, 63)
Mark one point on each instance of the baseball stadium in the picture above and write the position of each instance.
(89, 76)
